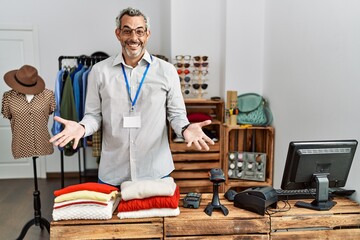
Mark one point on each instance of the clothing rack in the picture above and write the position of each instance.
(86, 60)
(82, 59)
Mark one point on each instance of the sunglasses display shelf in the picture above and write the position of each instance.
(193, 73)
(240, 168)
(191, 165)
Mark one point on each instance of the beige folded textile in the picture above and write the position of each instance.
(147, 188)
(86, 195)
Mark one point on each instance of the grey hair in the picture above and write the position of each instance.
(132, 12)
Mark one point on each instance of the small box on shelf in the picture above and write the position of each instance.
(248, 156)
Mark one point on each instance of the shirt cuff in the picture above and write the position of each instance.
(184, 128)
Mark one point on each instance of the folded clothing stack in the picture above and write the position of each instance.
(149, 198)
(89, 200)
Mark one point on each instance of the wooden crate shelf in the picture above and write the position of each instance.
(248, 139)
(195, 224)
(340, 222)
(115, 228)
(191, 165)
(181, 147)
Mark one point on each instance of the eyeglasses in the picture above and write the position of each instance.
(185, 85)
(140, 31)
(196, 86)
(180, 65)
(202, 72)
(180, 71)
(203, 58)
(199, 79)
(183, 57)
(201, 64)
(161, 57)
(186, 79)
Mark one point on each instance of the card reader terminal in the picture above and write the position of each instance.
(192, 200)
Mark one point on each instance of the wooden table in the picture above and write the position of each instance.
(238, 224)
(115, 228)
(341, 222)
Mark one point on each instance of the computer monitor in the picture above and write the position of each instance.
(320, 165)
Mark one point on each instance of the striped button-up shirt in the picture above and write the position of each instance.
(134, 153)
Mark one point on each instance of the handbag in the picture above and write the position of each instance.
(254, 110)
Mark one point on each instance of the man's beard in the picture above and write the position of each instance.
(131, 53)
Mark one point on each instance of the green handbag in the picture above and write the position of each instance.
(253, 109)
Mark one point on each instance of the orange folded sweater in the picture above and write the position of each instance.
(89, 186)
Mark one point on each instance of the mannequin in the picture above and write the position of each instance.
(28, 106)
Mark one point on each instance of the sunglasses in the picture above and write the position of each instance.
(180, 65)
(186, 79)
(186, 91)
(201, 64)
(180, 71)
(202, 72)
(200, 58)
(183, 57)
(196, 86)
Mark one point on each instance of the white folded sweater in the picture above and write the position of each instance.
(147, 188)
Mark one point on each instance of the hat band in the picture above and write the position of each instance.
(23, 84)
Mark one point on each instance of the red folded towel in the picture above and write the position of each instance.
(89, 186)
(151, 202)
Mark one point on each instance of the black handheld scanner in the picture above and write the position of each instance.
(217, 175)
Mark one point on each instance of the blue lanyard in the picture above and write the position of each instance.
(133, 102)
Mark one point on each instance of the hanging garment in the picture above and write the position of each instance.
(57, 127)
(83, 99)
(78, 91)
(68, 110)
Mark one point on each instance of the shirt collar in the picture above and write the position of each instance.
(119, 59)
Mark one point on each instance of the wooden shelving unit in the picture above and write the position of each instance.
(251, 139)
(191, 165)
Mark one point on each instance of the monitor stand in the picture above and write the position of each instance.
(321, 202)
(215, 203)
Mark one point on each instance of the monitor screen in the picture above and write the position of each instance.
(318, 164)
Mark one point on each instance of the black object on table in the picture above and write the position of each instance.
(216, 177)
(37, 220)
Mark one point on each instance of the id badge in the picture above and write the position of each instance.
(132, 120)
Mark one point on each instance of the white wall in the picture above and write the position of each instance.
(312, 73)
(197, 28)
(80, 27)
(244, 45)
(302, 55)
